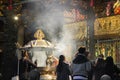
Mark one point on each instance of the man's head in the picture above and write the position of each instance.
(82, 50)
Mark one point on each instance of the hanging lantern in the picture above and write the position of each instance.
(10, 5)
(92, 3)
(108, 8)
(117, 10)
(117, 7)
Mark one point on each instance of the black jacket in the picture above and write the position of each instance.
(64, 73)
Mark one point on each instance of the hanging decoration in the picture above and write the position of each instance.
(73, 16)
(117, 7)
(108, 8)
(92, 3)
(10, 5)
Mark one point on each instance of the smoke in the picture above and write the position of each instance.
(49, 17)
(66, 44)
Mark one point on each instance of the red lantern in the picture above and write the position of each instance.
(92, 3)
(117, 7)
(10, 5)
(117, 10)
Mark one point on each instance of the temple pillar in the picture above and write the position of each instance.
(20, 38)
(90, 26)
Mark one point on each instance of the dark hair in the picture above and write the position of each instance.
(109, 60)
(100, 63)
(61, 58)
(60, 64)
(23, 53)
(82, 50)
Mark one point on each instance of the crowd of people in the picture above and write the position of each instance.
(82, 68)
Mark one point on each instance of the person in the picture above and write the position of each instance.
(98, 69)
(63, 69)
(25, 65)
(111, 69)
(80, 65)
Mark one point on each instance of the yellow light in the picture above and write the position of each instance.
(16, 18)
(48, 76)
(0, 50)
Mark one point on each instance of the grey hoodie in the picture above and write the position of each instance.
(80, 66)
